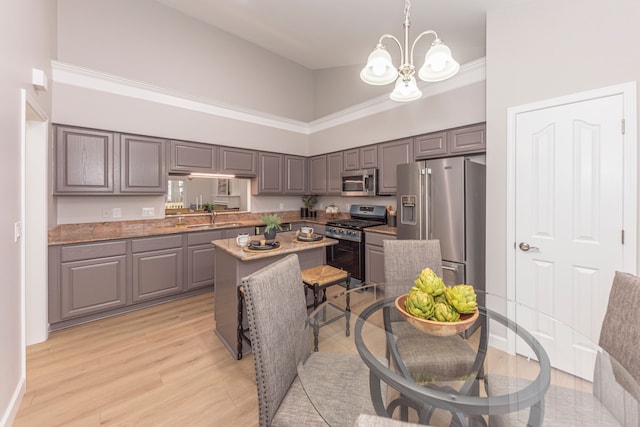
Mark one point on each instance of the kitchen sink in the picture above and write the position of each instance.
(213, 226)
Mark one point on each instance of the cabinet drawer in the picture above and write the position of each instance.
(93, 250)
(204, 237)
(156, 243)
(377, 238)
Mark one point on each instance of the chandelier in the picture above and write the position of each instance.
(438, 64)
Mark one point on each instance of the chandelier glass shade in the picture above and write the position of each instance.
(438, 64)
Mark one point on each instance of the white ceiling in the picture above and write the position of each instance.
(331, 33)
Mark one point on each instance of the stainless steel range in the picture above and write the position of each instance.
(348, 254)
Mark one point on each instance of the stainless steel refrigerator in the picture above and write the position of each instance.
(444, 199)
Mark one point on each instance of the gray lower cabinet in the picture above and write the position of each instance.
(201, 258)
(374, 256)
(156, 267)
(86, 279)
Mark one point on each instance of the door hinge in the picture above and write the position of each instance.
(623, 126)
(622, 236)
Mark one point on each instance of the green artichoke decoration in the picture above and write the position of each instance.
(462, 298)
(430, 283)
(445, 313)
(419, 304)
(430, 299)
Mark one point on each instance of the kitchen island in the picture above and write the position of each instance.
(234, 262)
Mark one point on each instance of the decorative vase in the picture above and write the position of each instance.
(304, 212)
(270, 235)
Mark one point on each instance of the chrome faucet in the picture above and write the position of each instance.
(213, 216)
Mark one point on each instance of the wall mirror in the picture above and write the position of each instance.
(185, 194)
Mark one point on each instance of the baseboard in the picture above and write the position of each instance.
(12, 410)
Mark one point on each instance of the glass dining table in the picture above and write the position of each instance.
(509, 372)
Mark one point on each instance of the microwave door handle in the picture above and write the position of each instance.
(365, 183)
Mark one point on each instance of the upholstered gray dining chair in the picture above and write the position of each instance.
(426, 357)
(281, 342)
(616, 394)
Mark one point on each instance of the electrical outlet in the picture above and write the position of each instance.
(106, 213)
(281, 206)
(148, 211)
(17, 231)
(348, 206)
(116, 212)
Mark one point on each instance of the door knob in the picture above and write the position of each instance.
(524, 246)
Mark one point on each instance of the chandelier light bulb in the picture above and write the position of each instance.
(406, 89)
(379, 69)
(438, 63)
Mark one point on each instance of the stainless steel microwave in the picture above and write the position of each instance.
(362, 182)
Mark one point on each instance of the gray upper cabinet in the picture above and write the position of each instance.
(369, 157)
(430, 145)
(192, 157)
(239, 162)
(270, 174)
(360, 158)
(142, 165)
(318, 174)
(391, 154)
(452, 142)
(94, 162)
(351, 159)
(468, 139)
(334, 173)
(84, 161)
(295, 175)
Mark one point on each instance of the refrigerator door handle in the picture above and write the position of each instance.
(429, 210)
(444, 267)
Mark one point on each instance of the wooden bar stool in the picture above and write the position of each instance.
(319, 278)
(243, 333)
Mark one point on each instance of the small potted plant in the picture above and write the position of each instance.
(309, 202)
(272, 222)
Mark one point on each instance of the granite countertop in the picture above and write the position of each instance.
(382, 229)
(114, 230)
(288, 244)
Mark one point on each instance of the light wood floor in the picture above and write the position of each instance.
(161, 366)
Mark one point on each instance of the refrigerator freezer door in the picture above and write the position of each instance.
(411, 201)
(447, 208)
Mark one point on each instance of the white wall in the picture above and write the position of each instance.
(545, 49)
(27, 40)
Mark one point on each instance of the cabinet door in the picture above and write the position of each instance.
(391, 154)
(192, 157)
(84, 161)
(334, 173)
(200, 266)
(295, 174)
(270, 170)
(430, 145)
(142, 165)
(351, 159)
(374, 264)
(156, 274)
(369, 157)
(318, 174)
(236, 161)
(469, 139)
(92, 285)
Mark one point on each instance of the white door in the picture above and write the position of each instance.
(569, 223)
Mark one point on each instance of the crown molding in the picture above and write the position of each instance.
(73, 75)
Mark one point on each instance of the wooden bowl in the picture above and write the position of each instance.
(432, 327)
